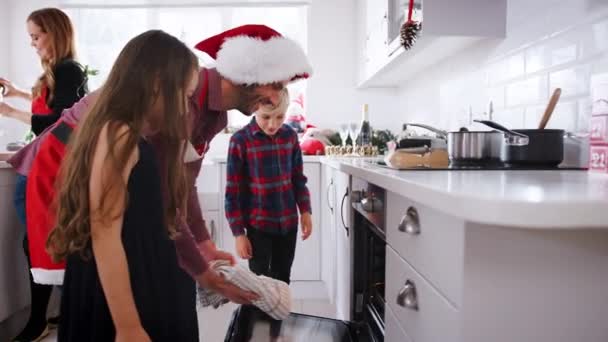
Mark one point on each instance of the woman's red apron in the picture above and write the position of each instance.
(40, 194)
(39, 106)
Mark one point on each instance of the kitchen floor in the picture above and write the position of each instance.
(213, 323)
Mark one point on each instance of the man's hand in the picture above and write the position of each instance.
(215, 282)
(306, 221)
(210, 252)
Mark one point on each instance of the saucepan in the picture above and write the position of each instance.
(466, 146)
(544, 146)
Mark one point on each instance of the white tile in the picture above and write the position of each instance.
(529, 91)
(512, 118)
(600, 37)
(556, 51)
(565, 116)
(508, 68)
(584, 115)
(532, 116)
(573, 81)
(497, 96)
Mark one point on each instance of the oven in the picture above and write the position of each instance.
(369, 256)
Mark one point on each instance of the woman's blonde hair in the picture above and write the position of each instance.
(152, 65)
(280, 108)
(58, 26)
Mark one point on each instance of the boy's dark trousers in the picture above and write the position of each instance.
(272, 253)
(272, 256)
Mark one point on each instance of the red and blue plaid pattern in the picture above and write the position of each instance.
(265, 183)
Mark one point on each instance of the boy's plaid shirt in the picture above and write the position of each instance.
(265, 181)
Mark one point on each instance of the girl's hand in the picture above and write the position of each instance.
(243, 247)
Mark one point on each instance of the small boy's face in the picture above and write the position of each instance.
(270, 122)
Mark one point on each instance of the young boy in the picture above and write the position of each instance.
(265, 188)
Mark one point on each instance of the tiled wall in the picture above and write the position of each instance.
(549, 44)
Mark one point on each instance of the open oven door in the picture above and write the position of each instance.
(251, 326)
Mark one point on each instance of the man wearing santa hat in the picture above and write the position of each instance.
(253, 64)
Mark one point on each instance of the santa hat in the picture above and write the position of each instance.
(256, 54)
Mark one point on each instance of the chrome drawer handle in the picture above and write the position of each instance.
(407, 297)
(410, 223)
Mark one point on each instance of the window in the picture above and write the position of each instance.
(103, 30)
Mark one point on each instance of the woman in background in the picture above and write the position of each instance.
(62, 83)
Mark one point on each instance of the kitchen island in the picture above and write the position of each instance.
(14, 284)
(492, 255)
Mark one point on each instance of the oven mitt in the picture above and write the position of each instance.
(274, 295)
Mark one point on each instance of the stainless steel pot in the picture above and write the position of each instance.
(470, 146)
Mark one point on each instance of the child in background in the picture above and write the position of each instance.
(114, 222)
(265, 188)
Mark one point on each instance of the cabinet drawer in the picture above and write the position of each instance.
(423, 312)
(393, 331)
(432, 242)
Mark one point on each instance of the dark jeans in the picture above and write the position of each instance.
(272, 253)
(19, 197)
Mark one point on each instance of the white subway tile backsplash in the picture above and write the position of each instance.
(529, 91)
(535, 59)
(565, 116)
(573, 81)
(511, 118)
(506, 69)
(522, 71)
(584, 115)
(532, 116)
(600, 36)
(497, 96)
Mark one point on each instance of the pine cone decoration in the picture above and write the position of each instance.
(409, 33)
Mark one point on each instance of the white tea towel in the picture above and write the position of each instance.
(274, 295)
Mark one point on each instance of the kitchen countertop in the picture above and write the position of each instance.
(5, 155)
(527, 199)
(306, 159)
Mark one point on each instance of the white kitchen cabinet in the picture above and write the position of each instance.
(212, 218)
(446, 29)
(344, 262)
(14, 283)
(328, 231)
(307, 261)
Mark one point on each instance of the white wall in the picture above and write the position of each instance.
(549, 43)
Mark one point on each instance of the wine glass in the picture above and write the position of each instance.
(354, 129)
(343, 131)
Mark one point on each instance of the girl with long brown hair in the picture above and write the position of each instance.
(61, 84)
(115, 217)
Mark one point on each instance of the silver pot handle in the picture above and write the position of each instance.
(511, 138)
(407, 296)
(440, 133)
